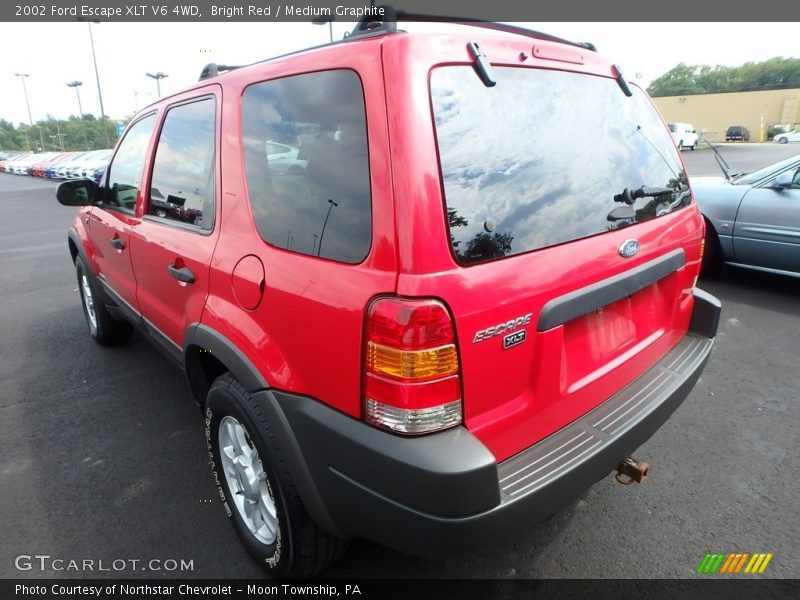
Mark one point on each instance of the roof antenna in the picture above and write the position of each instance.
(376, 22)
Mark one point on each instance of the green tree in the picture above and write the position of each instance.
(69, 134)
(772, 74)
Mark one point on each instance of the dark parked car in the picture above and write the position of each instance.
(737, 132)
(753, 220)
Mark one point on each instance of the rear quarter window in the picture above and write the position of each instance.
(307, 166)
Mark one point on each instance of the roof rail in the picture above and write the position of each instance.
(213, 69)
(384, 19)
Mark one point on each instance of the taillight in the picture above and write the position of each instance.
(412, 382)
(702, 253)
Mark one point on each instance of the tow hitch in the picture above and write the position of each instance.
(631, 471)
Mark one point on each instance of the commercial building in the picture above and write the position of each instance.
(712, 114)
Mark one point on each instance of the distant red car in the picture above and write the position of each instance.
(40, 169)
(476, 298)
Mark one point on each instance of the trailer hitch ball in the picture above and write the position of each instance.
(631, 471)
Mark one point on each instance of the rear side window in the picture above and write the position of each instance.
(537, 160)
(182, 186)
(305, 144)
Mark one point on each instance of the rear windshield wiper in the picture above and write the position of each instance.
(630, 197)
(481, 64)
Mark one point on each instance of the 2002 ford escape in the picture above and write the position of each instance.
(426, 287)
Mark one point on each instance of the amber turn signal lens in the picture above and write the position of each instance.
(417, 365)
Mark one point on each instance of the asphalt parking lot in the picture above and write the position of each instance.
(103, 454)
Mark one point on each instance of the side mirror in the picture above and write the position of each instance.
(81, 192)
(782, 181)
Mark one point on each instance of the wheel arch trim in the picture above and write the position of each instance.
(241, 368)
(226, 352)
(86, 253)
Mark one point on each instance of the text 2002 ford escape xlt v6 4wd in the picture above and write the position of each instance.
(469, 297)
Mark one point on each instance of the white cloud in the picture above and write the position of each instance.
(54, 53)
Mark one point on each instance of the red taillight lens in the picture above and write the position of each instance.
(409, 324)
(412, 379)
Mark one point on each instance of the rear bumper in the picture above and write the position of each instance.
(443, 494)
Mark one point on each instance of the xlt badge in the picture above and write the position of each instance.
(512, 339)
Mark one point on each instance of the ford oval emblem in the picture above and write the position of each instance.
(628, 248)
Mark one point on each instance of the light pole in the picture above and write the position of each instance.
(60, 136)
(22, 76)
(76, 85)
(321, 20)
(322, 233)
(97, 76)
(158, 77)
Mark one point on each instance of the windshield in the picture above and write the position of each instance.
(538, 159)
(768, 171)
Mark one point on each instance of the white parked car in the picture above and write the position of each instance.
(785, 138)
(84, 167)
(91, 164)
(9, 163)
(20, 167)
(684, 135)
(60, 172)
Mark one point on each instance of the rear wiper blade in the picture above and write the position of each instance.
(630, 196)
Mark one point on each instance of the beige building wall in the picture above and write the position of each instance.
(712, 114)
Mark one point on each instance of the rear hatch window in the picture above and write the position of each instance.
(538, 159)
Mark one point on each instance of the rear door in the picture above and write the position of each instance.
(173, 243)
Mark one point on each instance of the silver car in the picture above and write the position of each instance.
(753, 220)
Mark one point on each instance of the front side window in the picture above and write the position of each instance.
(538, 159)
(182, 186)
(305, 145)
(125, 171)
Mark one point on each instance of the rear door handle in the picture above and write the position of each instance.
(183, 274)
(117, 243)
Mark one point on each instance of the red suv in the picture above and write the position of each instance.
(470, 296)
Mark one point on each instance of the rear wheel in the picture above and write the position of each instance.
(102, 326)
(257, 489)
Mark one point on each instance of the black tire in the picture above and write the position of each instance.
(712, 265)
(783, 140)
(694, 147)
(103, 328)
(298, 548)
